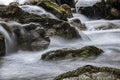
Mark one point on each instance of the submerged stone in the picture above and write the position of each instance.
(90, 72)
(2, 45)
(107, 26)
(65, 53)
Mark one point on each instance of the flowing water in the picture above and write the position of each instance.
(25, 64)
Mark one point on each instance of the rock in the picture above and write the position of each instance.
(53, 8)
(107, 26)
(14, 3)
(11, 13)
(115, 12)
(65, 30)
(90, 72)
(71, 3)
(60, 54)
(108, 9)
(77, 23)
(67, 9)
(2, 45)
(34, 38)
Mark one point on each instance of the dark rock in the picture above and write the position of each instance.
(71, 3)
(86, 51)
(108, 9)
(33, 38)
(2, 45)
(90, 72)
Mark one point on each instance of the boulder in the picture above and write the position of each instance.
(2, 45)
(90, 72)
(32, 38)
(11, 13)
(53, 8)
(68, 10)
(77, 23)
(108, 9)
(65, 53)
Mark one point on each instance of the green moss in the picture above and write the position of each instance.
(67, 9)
(53, 5)
(89, 69)
(65, 53)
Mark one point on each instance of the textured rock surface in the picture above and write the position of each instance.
(33, 38)
(54, 9)
(77, 23)
(11, 13)
(84, 52)
(2, 45)
(89, 72)
(108, 9)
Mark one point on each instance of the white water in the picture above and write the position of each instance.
(24, 64)
(28, 64)
(37, 10)
(9, 40)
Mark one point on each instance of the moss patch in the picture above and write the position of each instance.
(89, 69)
(84, 52)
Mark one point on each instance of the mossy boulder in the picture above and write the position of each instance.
(11, 13)
(90, 72)
(54, 9)
(2, 45)
(65, 53)
(108, 9)
(68, 10)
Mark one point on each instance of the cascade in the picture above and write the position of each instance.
(9, 40)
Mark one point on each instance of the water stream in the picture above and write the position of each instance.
(25, 64)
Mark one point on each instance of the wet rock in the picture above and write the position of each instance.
(65, 30)
(2, 45)
(108, 9)
(65, 53)
(11, 13)
(33, 38)
(107, 26)
(90, 72)
(77, 23)
(54, 9)
(14, 3)
(71, 3)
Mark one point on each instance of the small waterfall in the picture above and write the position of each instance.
(9, 40)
